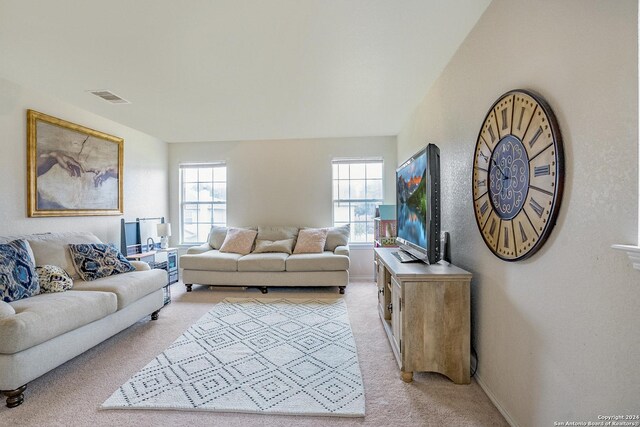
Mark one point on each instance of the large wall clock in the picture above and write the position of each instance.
(518, 175)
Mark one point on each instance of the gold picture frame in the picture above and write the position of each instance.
(72, 170)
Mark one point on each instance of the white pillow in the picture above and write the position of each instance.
(239, 241)
(311, 241)
(337, 236)
(284, 246)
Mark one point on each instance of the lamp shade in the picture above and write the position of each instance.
(164, 229)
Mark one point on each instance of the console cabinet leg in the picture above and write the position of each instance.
(154, 315)
(407, 377)
(341, 289)
(264, 289)
(188, 287)
(15, 397)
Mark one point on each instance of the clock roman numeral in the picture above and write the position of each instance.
(493, 226)
(522, 233)
(484, 156)
(542, 170)
(504, 119)
(536, 207)
(506, 237)
(493, 135)
(482, 183)
(521, 116)
(484, 207)
(535, 137)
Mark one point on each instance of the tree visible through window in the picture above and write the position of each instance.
(203, 200)
(357, 189)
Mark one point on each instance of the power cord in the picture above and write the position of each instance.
(475, 356)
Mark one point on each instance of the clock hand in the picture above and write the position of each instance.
(499, 168)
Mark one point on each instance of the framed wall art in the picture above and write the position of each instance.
(72, 170)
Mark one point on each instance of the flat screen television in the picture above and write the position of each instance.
(418, 206)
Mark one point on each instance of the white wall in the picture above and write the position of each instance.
(145, 167)
(283, 182)
(558, 334)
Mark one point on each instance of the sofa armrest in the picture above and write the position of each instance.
(6, 310)
(341, 250)
(140, 265)
(199, 249)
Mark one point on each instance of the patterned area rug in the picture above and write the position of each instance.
(277, 356)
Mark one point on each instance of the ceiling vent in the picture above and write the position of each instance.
(109, 97)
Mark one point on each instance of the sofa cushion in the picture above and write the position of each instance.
(277, 233)
(239, 241)
(337, 236)
(18, 278)
(216, 236)
(212, 260)
(96, 260)
(53, 249)
(263, 262)
(264, 246)
(128, 287)
(325, 261)
(311, 240)
(45, 316)
(53, 279)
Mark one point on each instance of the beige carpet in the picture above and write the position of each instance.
(71, 394)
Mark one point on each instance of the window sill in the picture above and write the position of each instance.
(360, 246)
(633, 252)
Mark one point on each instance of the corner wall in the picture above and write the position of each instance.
(557, 334)
(145, 167)
(283, 182)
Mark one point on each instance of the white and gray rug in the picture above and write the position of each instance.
(278, 356)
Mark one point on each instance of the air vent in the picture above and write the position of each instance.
(109, 96)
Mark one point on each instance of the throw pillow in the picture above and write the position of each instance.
(96, 260)
(285, 246)
(6, 310)
(311, 241)
(337, 236)
(53, 279)
(18, 278)
(239, 241)
(217, 236)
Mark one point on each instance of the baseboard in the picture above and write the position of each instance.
(495, 401)
(361, 278)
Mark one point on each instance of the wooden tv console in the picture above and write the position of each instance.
(425, 312)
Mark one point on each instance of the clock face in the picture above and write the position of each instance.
(518, 175)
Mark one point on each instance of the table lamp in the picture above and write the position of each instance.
(164, 231)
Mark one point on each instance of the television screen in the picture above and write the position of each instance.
(412, 206)
(418, 205)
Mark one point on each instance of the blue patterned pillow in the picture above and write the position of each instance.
(96, 260)
(18, 278)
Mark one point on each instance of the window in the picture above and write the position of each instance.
(203, 200)
(357, 189)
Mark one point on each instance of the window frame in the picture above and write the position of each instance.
(182, 203)
(335, 198)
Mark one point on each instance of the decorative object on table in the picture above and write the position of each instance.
(72, 170)
(518, 175)
(164, 231)
(281, 356)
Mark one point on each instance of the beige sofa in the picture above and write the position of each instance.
(42, 332)
(206, 265)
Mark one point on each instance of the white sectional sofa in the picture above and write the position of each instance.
(206, 265)
(42, 332)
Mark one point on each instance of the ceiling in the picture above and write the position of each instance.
(228, 70)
